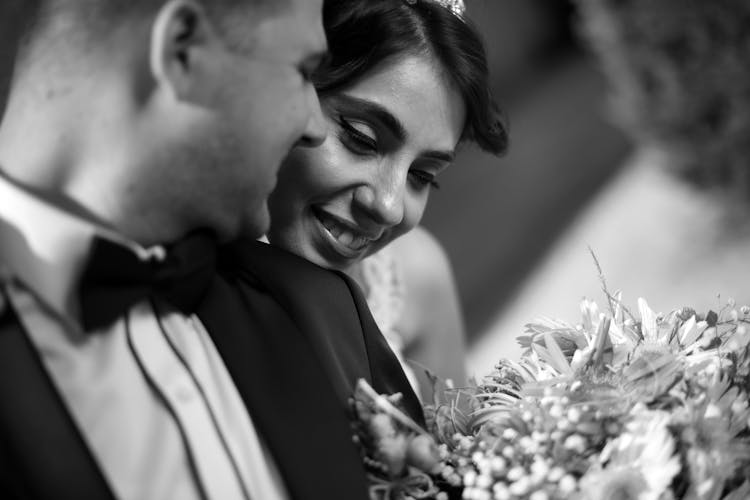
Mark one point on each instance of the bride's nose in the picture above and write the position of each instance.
(382, 199)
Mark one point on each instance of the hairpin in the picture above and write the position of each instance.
(458, 7)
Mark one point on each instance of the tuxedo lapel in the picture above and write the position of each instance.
(331, 310)
(43, 454)
(286, 390)
(388, 376)
(317, 302)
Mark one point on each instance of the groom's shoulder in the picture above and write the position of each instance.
(280, 270)
(317, 299)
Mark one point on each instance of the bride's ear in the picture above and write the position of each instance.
(183, 40)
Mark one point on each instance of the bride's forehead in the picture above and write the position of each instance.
(414, 75)
(412, 88)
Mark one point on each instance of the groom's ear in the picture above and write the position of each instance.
(184, 42)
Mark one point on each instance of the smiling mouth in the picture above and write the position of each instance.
(352, 240)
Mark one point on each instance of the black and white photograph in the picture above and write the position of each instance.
(374, 249)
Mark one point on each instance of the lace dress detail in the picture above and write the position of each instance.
(382, 280)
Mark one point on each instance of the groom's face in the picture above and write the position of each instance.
(282, 105)
(253, 103)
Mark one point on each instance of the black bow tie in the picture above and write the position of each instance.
(115, 278)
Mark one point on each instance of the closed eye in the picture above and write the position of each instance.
(422, 180)
(355, 139)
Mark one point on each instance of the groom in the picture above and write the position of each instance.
(134, 134)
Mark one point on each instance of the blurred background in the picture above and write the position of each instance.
(498, 217)
(630, 146)
(518, 228)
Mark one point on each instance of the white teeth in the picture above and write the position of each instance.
(346, 238)
(357, 242)
(360, 242)
(349, 239)
(343, 235)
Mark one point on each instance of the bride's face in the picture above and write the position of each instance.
(389, 137)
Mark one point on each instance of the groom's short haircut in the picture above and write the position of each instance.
(60, 28)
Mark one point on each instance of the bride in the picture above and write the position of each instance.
(406, 84)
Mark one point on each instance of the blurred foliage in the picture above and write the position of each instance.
(680, 79)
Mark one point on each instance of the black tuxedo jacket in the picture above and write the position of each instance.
(294, 337)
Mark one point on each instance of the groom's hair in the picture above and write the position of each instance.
(56, 30)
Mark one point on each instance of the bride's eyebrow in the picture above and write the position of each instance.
(376, 111)
(443, 156)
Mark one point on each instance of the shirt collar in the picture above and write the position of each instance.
(45, 247)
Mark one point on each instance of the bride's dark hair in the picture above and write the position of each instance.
(363, 34)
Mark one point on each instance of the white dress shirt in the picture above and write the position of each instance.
(150, 393)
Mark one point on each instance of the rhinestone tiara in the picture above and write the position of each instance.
(458, 7)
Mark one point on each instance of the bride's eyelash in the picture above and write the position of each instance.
(424, 180)
(354, 139)
(362, 144)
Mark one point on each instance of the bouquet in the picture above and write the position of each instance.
(621, 406)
